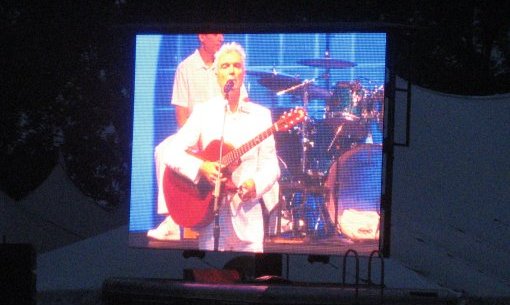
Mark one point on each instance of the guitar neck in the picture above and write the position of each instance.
(236, 154)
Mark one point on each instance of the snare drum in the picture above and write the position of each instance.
(346, 131)
(346, 97)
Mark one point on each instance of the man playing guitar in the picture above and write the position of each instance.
(237, 121)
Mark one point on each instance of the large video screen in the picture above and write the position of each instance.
(273, 145)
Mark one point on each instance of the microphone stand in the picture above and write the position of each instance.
(217, 184)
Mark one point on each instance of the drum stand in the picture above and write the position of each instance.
(316, 214)
(307, 214)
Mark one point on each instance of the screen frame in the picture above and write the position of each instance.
(293, 28)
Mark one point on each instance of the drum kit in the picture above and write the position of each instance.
(336, 150)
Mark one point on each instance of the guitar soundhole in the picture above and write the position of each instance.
(204, 188)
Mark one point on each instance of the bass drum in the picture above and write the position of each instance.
(354, 182)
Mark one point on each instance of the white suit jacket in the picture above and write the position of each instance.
(260, 163)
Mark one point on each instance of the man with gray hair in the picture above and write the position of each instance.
(233, 118)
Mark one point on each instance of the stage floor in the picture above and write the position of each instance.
(330, 245)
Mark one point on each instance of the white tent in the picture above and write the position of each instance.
(21, 225)
(451, 220)
(56, 213)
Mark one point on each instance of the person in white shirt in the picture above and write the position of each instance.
(194, 83)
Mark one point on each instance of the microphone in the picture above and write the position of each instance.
(228, 86)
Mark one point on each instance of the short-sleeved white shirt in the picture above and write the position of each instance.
(194, 82)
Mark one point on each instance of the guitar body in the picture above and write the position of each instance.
(192, 205)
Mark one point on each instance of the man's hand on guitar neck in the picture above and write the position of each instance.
(247, 190)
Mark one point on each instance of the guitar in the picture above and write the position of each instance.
(191, 205)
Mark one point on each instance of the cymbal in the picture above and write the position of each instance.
(278, 81)
(328, 63)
